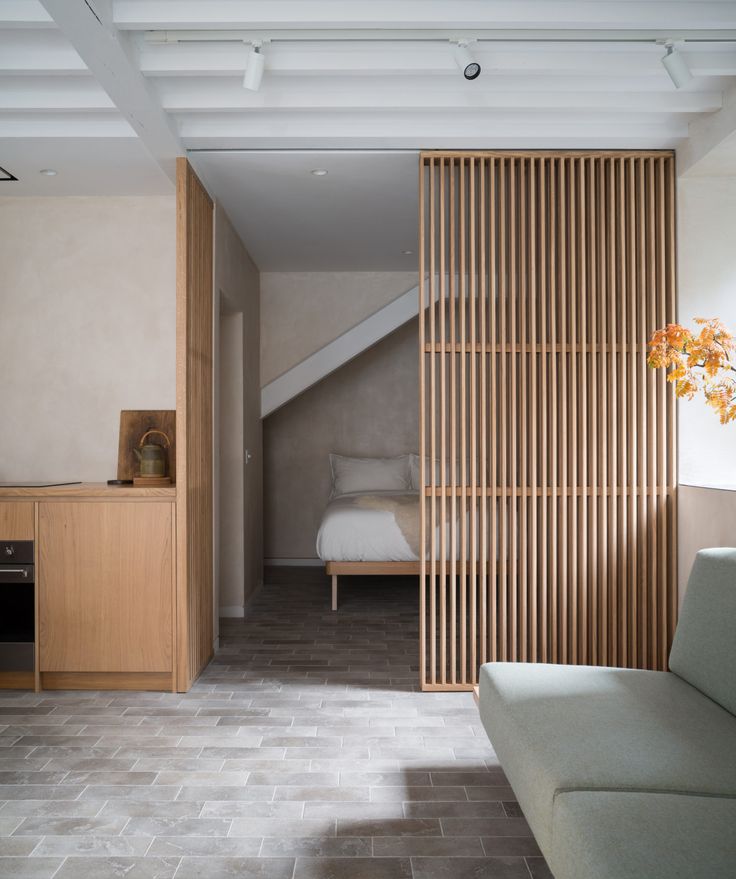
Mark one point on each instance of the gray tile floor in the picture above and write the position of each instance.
(304, 751)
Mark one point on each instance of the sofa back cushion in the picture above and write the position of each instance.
(704, 649)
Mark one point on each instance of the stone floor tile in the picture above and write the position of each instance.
(29, 868)
(352, 868)
(118, 868)
(236, 868)
(95, 846)
(485, 827)
(525, 846)
(12, 846)
(317, 847)
(162, 826)
(538, 868)
(427, 846)
(206, 846)
(283, 827)
(469, 868)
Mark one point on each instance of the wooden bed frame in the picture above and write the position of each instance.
(388, 569)
(335, 569)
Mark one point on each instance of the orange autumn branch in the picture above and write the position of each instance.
(699, 362)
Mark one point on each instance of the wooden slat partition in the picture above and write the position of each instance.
(194, 426)
(547, 445)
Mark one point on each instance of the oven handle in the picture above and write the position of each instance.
(14, 571)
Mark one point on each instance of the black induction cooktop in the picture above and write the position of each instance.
(29, 483)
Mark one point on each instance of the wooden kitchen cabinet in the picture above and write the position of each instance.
(106, 587)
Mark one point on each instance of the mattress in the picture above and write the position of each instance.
(370, 527)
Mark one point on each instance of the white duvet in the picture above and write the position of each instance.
(355, 529)
(383, 527)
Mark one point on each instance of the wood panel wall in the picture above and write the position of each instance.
(547, 444)
(194, 426)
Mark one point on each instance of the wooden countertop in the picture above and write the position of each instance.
(87, 490)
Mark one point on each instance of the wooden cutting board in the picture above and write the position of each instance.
(133, 424)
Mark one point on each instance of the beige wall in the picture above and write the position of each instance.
(367, 408)
(706, 517)
(707, 288)
(230, 466)
(87, 328)
(302, 311)
(240, 486)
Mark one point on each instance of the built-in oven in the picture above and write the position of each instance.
(17, 605)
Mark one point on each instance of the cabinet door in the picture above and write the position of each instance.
(105, 586)
(16, 520)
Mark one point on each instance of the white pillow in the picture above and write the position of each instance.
(369, 474)
(414, 462)
(414, 469)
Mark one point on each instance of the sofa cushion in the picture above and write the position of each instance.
(623, 835)
(558, 727)
(704, 649)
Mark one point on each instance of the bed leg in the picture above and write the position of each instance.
(334, 591)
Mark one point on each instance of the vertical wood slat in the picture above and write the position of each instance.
(194, 447)
(549, 511)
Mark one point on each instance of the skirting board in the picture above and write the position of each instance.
(105, 680)
(294, 563)
(233, 610)
(238, 610)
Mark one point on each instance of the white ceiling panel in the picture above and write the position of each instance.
(84, 166)
(359, 217)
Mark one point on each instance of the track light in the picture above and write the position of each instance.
(254, 69)
(676, 66)
(465, 61)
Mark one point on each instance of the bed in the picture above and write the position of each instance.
(371, 524)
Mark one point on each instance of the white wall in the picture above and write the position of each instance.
(230, 529)
(707, 288)
(239, 493)
(87, 328)
(302, 311)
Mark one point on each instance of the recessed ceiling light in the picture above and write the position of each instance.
(319, 172)
(48, 172)
(407, 252)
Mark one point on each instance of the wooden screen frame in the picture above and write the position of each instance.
(549, 519)
(194, 628)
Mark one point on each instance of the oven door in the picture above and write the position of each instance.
(17, 607)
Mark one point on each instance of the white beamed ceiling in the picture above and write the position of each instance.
(92, 73)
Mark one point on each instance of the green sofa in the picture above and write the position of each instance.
(628, 774)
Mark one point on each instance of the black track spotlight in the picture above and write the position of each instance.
(466, 63)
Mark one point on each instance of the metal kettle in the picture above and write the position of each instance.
(152, 456)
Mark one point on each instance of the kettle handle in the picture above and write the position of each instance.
(149, 432)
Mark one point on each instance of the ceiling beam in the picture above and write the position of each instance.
(208, 59)
(423, 14)
(707, 134)
(63, 125)
(361, 93)
(33, 93)
(87, 24)
(24, 13)
(401, 130)
(23, 51)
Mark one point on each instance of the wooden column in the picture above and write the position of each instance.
(194, 426)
